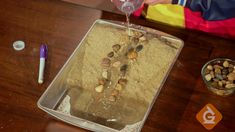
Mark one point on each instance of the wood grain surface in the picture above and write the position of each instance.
(61, 26)
(104, 5)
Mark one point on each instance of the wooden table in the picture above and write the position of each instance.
(61, 26)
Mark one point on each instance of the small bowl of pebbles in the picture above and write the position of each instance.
(219, 76)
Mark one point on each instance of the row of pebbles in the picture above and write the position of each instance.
(130, 54)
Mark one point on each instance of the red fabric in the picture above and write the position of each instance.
(224, 28)
(138, 12)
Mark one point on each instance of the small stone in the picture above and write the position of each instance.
(115, 92)
(99, 88)
(123, 70)
(110, 54)
(220, 92)
(224, 77)
(139, 48)
(219, 76)
(116, 64)
(214, 84)
(112, 98)
(105, 62)
(102, 81)
(231, 76)
(124, 67)
(118, 87)
(230, 69)
(230, 86)
(122, 81)
(229, 82)
(218, 66)
(208, 77)
(226, 64)
(225, 71)
(210, 67)
(220, 83)
(207, 71)
(135, 40)
(212, 74)
(223, 81)
(116, 47)
(230, 65)
(105, 74)
(142, 38)
(215, 79)
(132, 55)
(217, 70)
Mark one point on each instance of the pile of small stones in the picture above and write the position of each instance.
(220, 75)
(114, 58)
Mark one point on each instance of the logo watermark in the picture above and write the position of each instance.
(209, 116)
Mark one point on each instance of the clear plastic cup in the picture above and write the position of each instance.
(128, 6)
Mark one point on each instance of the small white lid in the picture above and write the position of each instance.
(19, 45)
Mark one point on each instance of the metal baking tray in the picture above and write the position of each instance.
(55, 96)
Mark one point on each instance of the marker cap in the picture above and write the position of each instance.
(19, 45)
(43, 51)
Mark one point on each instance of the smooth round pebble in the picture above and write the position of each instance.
(229, 82)
(230, 69)
(132, 55)
(219, 76)
(207, 71)
(225, 71)
(99, 88)
(210, 67)
(110, 54)
(220, 83)
(230, 65)
(217, 70)
(105, 62)
(105, 74)
(208, 77)
(231, 76)
(226, 64)
(124, 67)
(118, 87)
(229, 86)
(212, 74)
(139, 48)
(116, 47)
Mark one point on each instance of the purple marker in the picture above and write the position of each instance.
(43, 57)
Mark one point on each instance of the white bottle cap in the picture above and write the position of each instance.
(19, 45)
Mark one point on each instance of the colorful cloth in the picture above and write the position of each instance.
(211, 16)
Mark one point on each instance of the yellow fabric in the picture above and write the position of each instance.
(169, 14)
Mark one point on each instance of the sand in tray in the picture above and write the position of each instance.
(144, 78)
